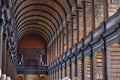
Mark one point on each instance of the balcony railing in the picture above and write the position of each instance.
(41, 69)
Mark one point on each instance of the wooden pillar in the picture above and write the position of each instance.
(57, 47)
(0, 39)
(67, 35)
(104, 63)
(54, 50)
(72, 31)
(62, 40)
(78, 25)
(54, 73)
(61, 71)
(25, 76)
(3, 57)
(76, 67)
(50, 56)
(39, 76)
(60, 43)
(91, 64)
(105, 9)
(84, 18)
(70, 34)
(70, 69)
(93, 14)
(57, 72)
(52, 53)
(82, 67)
(65, 69)
(51, 74)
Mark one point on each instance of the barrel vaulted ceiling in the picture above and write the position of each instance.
(44, 17)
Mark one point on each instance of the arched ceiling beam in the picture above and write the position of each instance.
(39, 26)
(17, 11)
(26, 19)
(34, 24)
(43, 33)
(65, 4)
(34, 10)
(35, 21)
(70, 6)
(61, 8)
(32, 31)
(58, 8)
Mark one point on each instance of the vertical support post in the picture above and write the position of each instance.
(70, 69)
(91, 64)
(105, 76)
(0, 39)
(62, 40)
(82, 65)
(57, 47)
(93, 15)
(61, 70)
(72, 31)
(67, 35)
(25, 76)
(39, 76)
(76, 67)
(58, 72)
(105, 10)
(55, 73)
(78, 25)
(65, 70)
(84, 18)
(51, 52)
(3, 59)
(60, 44)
